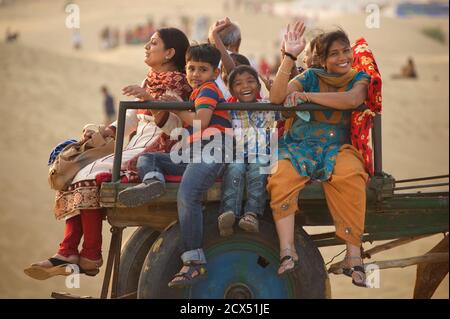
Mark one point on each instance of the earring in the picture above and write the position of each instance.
(167, 58)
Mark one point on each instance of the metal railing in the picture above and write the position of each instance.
(125, 105)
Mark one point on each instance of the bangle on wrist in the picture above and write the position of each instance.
(290, 55)
(283, 72)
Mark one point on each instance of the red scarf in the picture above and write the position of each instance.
(362, 122)
(158, 83)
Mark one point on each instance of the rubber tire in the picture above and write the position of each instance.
(132, 258)
(310, 280)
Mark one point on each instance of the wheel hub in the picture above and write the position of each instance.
(238, 291)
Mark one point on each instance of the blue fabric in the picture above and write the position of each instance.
(58, 150)
(312, 146)
(237, 178)
(197, 178)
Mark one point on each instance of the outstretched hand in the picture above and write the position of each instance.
(218, 26)
(267, 81)
(136, 91)
(294, 40)
(294, 99)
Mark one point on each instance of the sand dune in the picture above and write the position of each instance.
(49, 92)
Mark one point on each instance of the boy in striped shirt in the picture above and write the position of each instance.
(203, 127)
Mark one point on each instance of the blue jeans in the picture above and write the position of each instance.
(197, 178)
(237, 177)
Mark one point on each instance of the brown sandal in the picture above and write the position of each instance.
(225, 222)
(249, 222)
(359, 270)
(58, 268)
(188, 277)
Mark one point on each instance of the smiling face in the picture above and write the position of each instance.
(245, 87)
(155, 51)
(339, 58)
(198, 73)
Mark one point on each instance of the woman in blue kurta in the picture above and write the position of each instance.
(317, 145)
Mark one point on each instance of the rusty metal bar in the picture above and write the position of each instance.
(421, 179)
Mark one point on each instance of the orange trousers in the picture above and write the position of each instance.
(345, 193)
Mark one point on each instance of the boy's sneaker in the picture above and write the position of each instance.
(141, 194)
(226, 222)
(249, 222)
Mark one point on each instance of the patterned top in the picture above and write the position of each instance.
(253, 130)
(207, 96)
(312, 146)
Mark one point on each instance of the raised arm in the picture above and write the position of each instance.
(294, 44)
(214, 38)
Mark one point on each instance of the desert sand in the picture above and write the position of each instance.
(49, 92)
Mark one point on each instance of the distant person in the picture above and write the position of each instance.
(11, 36)
(408, 71)
(201, 28)
(76, 40)
(108, 103)
(186, 25)
(104, 36)
(264, 67)
(311, 58)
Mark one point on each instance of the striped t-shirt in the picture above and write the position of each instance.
(207, 96)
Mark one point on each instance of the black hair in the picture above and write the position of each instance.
(313, 43)
(240, 70)
(326, 40)
(174, 38)
(204, 53)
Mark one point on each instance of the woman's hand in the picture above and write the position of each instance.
(294, 41)
(136, 91)
(170, 96)
(294, 99)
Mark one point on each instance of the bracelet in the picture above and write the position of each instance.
(290, 55)
(283, 72)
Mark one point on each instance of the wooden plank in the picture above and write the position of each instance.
(402, 241)
(430, 275)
